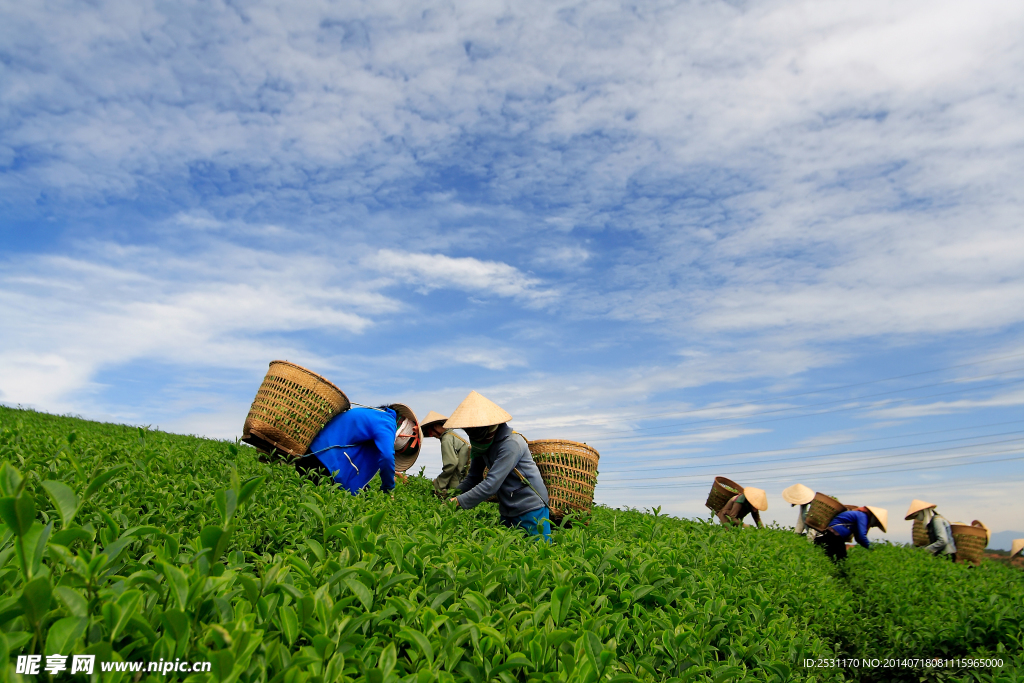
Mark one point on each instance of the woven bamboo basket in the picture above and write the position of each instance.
(722, 490)
(920, 534)
(970, 543)
(569, 471)
(290, 408)
(823, 509)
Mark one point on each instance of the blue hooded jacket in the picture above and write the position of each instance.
(359, 443)
(852, 523)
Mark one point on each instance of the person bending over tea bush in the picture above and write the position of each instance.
(454, 453)
(742, 504)
(511, 472)
(940, 533)
(851, 524)
(358, 443)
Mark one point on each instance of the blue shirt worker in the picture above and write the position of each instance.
(851, 524)
(940, 533)
(512, 473)
(358, 443)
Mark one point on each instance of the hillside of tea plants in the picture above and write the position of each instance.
(135, 545)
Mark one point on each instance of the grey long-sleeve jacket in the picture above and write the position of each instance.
(940, 533)
(508, 451)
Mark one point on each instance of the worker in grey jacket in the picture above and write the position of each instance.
(511, 472)
(454, 453)
(940, 533)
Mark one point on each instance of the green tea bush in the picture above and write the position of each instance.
(911, 604)
(136, 545)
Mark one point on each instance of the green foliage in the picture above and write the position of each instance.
(911, 602)
(136, 545)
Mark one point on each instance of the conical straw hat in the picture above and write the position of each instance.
(916, 506)
(882, 515)
(431, 418)
(1018, 545)
(798, 494)
(407, 459)
(476, 411)
(980, 525)
(756, 497)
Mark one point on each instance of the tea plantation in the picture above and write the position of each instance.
(135, 545)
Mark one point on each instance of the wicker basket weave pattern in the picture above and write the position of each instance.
(290, 408)
(920, 534)
(569, 471)
(823, 509)
(970, 543)
(722, 490)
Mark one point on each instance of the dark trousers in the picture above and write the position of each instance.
(835, 547)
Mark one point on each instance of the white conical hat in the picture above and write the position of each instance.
(476, 411)
(916, 506)
(798, 494)
(756, 497)
(882, 515)
(431, 418)
(1018, 545)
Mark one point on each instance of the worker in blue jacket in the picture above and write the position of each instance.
(512, 474)
(851, 524)
(358, 443)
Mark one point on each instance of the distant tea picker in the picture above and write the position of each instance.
(299, 413)
(454, 453)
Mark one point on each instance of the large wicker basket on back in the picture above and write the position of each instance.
(569, 471)
(823, 509)
(970, 543)
(722, 490)
(290, 408)
(920, 534)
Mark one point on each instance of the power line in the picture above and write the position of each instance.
(821, 391)
(825, 403)
(743, 463)
(841, 462)
(844, 473)
(793, 417)
(845, 443)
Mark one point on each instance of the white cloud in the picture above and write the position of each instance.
(225, 307)
(1001, 400)
(437, 271)
(709, 194)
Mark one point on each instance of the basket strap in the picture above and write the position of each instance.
(527, 482)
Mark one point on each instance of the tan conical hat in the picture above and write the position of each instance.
(431, 418)
(980, 525)
(916, 506)
(1018, 545)
(756, 497)
(476, 411)
(798, 494)
(882, 515)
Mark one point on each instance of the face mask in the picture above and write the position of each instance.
(480, 439)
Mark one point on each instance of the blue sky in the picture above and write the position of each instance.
(706, 237)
